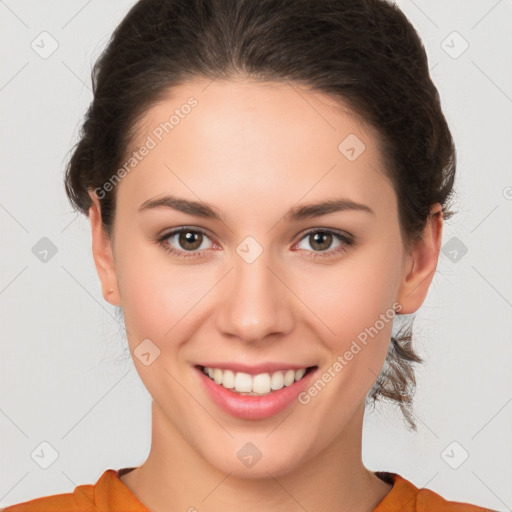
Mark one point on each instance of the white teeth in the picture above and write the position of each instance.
(299, 374)
(261, 384)
(243, 382)
(277, 381)
(228, 379)
(289, 377)
(217, 376)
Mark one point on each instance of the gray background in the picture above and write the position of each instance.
(64, 379)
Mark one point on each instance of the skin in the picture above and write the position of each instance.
(255, 150)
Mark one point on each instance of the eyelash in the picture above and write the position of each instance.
(348, 242)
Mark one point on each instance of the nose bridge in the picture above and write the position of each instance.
(255, 302)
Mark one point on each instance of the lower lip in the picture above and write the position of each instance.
(254, 407)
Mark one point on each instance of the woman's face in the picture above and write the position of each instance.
(256, 286)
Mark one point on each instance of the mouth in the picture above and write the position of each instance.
(253, 397)
(260, 384)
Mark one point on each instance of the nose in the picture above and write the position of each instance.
(254, 302)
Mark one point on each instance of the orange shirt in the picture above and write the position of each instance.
(110, 494)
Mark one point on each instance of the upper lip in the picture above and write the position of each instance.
(254, 369)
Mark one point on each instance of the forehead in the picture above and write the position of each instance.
(265, 139)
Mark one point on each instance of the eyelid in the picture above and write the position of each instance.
(176, 231)
(346, 238)
(204, 231)
(337, 232)
(346, 241)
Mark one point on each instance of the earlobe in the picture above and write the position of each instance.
(103, 255)
(421, 264)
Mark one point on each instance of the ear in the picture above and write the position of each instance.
(421, 263)
(103, 254)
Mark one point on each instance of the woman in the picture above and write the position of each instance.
(266, 183)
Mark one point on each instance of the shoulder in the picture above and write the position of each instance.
(428, 500)
(67, 502)
(405, 496)
(108, 494)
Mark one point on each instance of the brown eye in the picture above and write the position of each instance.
(321, 240)
(184, 242)
(190, 240)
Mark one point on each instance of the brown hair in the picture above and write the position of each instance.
(362, 52)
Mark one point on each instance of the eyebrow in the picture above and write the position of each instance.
(206, 211)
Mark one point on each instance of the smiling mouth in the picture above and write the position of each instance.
(255, 385)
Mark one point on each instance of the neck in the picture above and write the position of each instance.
(175, 477)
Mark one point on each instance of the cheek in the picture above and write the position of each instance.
(352, 295)
(357, 308)
(150, 296)
(353, 306)
(159, 298)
